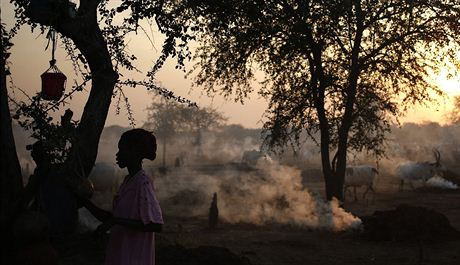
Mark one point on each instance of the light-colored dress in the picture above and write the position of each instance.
(135, 200)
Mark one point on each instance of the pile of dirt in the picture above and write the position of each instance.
(86, 248)
(408, 223)
(179, 255)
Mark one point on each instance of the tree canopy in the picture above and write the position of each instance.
(344, 69)
(167, 118)
(95, 34)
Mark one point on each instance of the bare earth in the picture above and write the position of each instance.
(278, 245)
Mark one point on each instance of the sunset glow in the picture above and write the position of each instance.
(450, 86)
(230, 132)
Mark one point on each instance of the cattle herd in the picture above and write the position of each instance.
(408, 172)
(106, 176)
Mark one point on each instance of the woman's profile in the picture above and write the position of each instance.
(136, 213)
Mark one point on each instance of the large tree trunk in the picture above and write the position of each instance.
(332, 179)
(335, 179)
(10, 171)
(84, 31)
(334, 186)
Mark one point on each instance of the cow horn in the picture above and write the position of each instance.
(437, 156)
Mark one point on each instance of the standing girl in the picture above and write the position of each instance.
(136, 214)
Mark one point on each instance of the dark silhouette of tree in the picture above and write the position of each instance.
(11, 180)
(162, 120)
(168, 118)
(454, 115)
(340, 69)
(199, 120)
(95, 36)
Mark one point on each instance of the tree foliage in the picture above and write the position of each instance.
(344, 69)
(454, 115)
(168, 118)
(96, 36)
(56, 137)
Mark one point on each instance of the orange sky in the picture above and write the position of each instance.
(29, 60)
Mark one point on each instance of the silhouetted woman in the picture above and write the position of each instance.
(136, 214)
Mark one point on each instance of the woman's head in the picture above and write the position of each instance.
(135, 145)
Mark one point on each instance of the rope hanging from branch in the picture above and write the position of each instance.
(52, 38)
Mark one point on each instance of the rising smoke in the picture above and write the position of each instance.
(439, 182)
(271, 193)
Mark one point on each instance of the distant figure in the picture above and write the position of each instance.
(178, 162)
(213, 212)
(180, 159)
(136, 214)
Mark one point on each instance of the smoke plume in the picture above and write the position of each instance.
(271, 193)
(439, 182)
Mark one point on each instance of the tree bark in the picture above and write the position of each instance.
(335, 178)
(334, 186)
(84, 31)
(333, 183)
(10, 171)
(347, 120)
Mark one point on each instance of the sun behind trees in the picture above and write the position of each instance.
(342, 69)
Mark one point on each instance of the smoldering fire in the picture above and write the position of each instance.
(273, 193)
(270, 193)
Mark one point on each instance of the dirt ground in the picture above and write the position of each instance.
(280, 244)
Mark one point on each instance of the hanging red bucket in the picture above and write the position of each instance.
(53, 83)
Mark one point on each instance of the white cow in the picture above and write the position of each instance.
(251, 157)
(361, 175)
(420, 171)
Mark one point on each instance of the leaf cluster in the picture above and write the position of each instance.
(341, 67)
(6, 46)
(118, 23)
(167, 118)
(57, 137)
